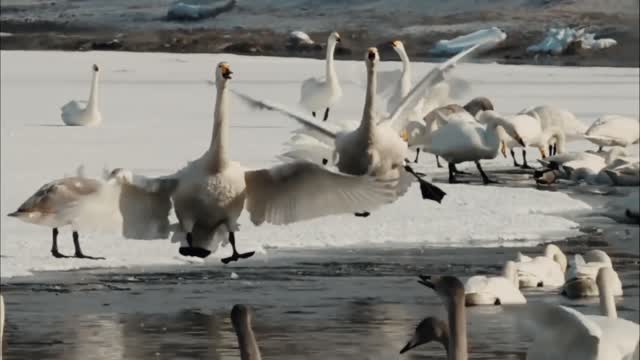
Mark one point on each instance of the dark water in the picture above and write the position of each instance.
(350, 304)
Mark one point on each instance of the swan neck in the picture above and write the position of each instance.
(457, 329)
(249, 349)
(331, 71)
(219, 138)
(557, 134)
(368, 117)
(607, 302)
(406, 64)
(92, 104)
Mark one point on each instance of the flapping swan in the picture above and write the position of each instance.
(459, 141)
(428, 330)
(76, 201)
(451, 291)
(211, 192)
(546, 270)
(614, 130)
(495, 290)
(76, 114)
(317, 95)
(581, 277)
(551, 116)
(241, 318)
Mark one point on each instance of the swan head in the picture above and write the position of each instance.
(223, 72)
(430, 329)
(241, 316)
(372, 57)
(398, 46)
(448, 287)
(553, 251)
(95, 68)
(334, 37)
(478, 104)
(491, 117)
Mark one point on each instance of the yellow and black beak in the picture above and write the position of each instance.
(405, 135)
(338, 38)
(543, 153)
(226, 71)
(95, 67)
(395, 43)
(371, 54)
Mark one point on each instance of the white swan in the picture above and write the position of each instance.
(317, 95)
(211, 192)
(428, 330)
(459, 141)
(495, 290)
(76, 114)
(451, 292)
(614, 130)
(396, 82)
(82, 203)
(550, 116)
(546, 270)
(581, 276)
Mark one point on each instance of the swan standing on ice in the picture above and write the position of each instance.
(495, 290)
(614, 130)
(550, 116)
(397, 81)
(546, 270)
(211, 192)
(461, 140)
(317, 95)
(581, 277)
(75, 114)
(428, 330)
(75, 201)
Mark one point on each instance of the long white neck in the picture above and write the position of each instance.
(92, 104)
(368, 118)
(607, 301)
(405, 79)
(331, 76)
(510, 272)
(457, 329)
(249, 349)
(492, 135)
(218, 148)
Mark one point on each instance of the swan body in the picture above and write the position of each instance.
(614, 130)
(316, 94)
(76, 114)
(550, 116)
(495, 290)
(210, 193)
(581, 277)
(546, 270)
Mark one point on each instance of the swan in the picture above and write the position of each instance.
(495, 290)
(461, 140)
(241, 319)
(451, 291)
(210, 193)
(614, 130)
(75, 114)
(316, 94)
(546, 270)
(399, 83)
(581, 277)
(592, 167)
(77, 201)
(550, 116)
(428, 330)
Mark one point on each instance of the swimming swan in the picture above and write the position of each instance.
(211, 192)
(546, 270)
(75, 114)
(582, 276)
(317, 95)
(495, 290)
(614, 130)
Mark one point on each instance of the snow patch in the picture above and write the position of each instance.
(489, 37)
(558, 40)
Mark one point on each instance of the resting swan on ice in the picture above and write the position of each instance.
(614, 130)
(75, 114)
(211, 192)
(581, 277)
(546, 270)
(317, 95)
(551, 116)
(495, 290)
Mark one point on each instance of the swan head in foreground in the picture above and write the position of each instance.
(372, 57)
(223, 72)
(95, 68)
(478, 104)
(241, 317)
(398, 46)
(430, 329)
(334, 37)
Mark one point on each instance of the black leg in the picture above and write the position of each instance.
(452, 173)
(326, 115)
(550, 150)
(362, 214)
(438, 162)
(54, 245)
(600, 148)
(513, 156)
(193, 251)
(417, 155)
(555, 149)
(235, 256)
(524, 160)
(313, 113)
(485, 178)
(79, 254)
(428, 190)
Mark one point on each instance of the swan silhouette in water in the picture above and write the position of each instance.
(74, 113)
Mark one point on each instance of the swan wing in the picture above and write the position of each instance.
(300, 191)
(73, 106)
(323, 130)
(436, 75)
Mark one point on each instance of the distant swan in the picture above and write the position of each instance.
(75, 114)
(495, 290)
(546, 270)
(317, 95)
(614, 130)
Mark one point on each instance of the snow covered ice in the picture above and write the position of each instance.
(157, 114)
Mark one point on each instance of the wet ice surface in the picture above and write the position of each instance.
(333, 304)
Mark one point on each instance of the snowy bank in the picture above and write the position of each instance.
(558, 40)
(491, 37)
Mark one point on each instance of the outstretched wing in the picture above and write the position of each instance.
(319, 130)
(302, 190)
